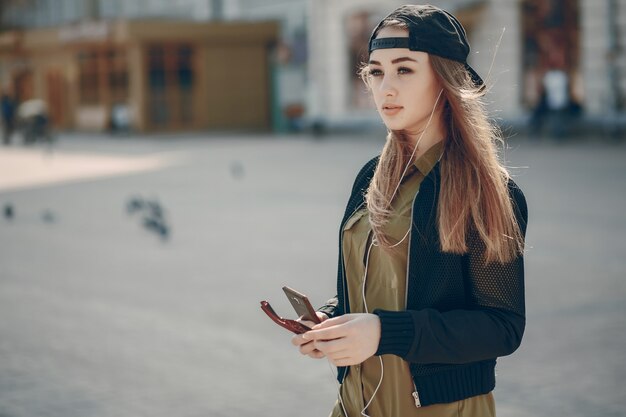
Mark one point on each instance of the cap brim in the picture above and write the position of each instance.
(478, 82)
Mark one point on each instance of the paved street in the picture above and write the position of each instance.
(101, 316)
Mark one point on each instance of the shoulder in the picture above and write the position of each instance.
(519, 201)
(369, 166)
(516, 193)
(365, 174)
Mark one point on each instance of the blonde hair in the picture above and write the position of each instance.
(473, 194)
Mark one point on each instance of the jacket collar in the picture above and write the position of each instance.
(435, 173)
(428, 159)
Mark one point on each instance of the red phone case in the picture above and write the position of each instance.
(291, 325)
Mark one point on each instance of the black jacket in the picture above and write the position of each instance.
(461, 314)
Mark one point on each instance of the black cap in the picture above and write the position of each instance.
(432, 30)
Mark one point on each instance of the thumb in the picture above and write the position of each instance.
(331, 322)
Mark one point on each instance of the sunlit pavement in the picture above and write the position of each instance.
(103, 316)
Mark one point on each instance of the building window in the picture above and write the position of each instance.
(103, 76)
(158, 108)
(89, 77)
(117, 69)
(170, 83)
(185, 83)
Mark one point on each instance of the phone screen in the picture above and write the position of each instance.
(301, 304)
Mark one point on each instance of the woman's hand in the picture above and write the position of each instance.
(346, 340)
(306, 346)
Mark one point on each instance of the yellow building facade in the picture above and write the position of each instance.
(156, 75)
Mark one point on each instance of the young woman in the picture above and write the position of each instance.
(430, 286)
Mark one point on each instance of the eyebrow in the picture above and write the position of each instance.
(395, 61)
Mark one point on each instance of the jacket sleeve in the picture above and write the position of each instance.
(330, 307)
(491, 325)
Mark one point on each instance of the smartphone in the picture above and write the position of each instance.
(301, 304)
(291, 325)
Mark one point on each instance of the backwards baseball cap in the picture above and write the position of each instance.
(432, 30)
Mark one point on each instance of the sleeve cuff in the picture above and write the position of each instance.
(328, 310)
(397, 332)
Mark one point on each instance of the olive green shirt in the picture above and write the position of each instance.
(385, 288)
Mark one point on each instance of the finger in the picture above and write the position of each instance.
(340, 355)
(316, 354)
(331, 346)
(307, 323)
(298, 340)
(329, 329)
(332, 322)
(307, 348)
(334, 332)
(322, 316)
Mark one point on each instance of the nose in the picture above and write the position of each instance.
(387, 86)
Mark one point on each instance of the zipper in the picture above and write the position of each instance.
(415, 394)
(416, 397)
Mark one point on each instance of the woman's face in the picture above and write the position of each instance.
(403, 85)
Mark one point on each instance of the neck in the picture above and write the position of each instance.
(433, 134)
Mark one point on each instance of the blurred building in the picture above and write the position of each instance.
(514, 44)
(152, 60)
(290, 59)
(158, 65)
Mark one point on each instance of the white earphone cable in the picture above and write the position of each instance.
(416, 145)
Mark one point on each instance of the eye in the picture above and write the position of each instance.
(374, 72)
(404, 70)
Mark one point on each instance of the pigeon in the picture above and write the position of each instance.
(153, 215)
(156, 226)
(155, 208)
(48, 216)
(8, 211)
(236, 170)
(134, 204)
(164, 231)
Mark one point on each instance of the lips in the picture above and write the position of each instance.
(391, 109)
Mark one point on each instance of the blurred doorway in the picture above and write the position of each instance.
(359, 26)
(24, 86)
(238, 87)
(56, 99)
(171, 84)
(551, 42)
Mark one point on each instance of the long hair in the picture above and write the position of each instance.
(473, 190)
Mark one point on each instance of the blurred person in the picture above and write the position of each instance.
(538, 116)
(555, 109)
(556, 87)
(120, 119)
(430, 286)
(555, 82)
(8, 117)
(34, 121)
